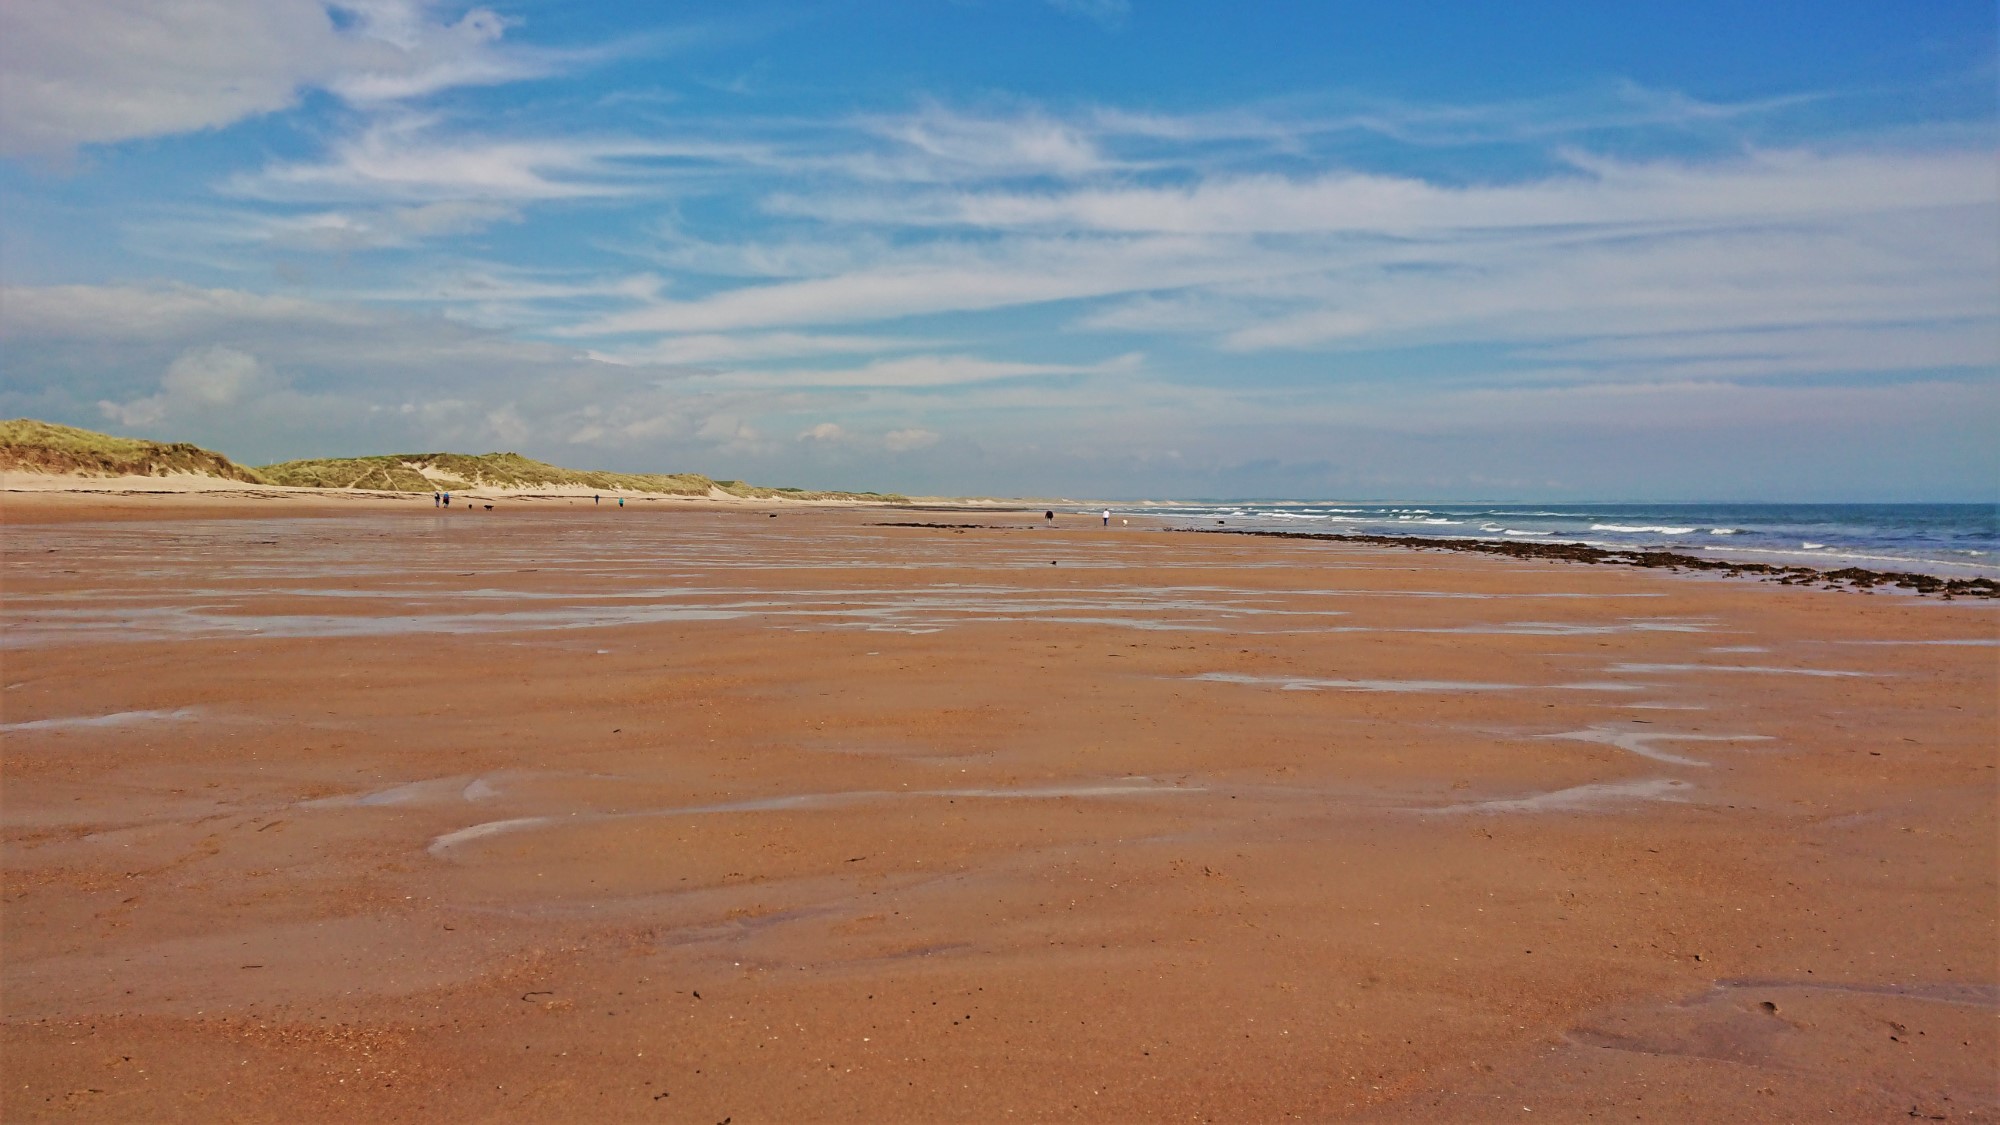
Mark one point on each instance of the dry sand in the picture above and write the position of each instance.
(361, 812)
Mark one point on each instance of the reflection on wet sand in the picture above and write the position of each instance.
(1578, 797)
(1640, 742)
(115, 719)
(1306, 683)
(792, 802)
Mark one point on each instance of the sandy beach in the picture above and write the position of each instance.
(354, 810)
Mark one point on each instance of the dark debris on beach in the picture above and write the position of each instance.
(1852, 577)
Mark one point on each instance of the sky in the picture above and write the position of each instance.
(1092, 248)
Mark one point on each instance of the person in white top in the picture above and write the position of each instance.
(1107, 517)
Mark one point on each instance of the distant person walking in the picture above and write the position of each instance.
(1049, 516)
(447, 499)
(597, 499)
(437, 499)
(1107, 517)
(621, 501)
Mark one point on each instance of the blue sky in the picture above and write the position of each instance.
(1072, 247)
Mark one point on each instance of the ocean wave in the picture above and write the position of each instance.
(1517, 531)
(1655, 529)
(1722, 531)
(1812, 546)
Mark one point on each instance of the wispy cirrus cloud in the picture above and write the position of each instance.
(410, 156)
(92, 71)
(1142, 223)
(948, 278)
(1593, 191)
(711, 348)
(919, 371)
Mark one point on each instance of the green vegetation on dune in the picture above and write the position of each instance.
(27, 445)
(383, 474)
(425, 472)
(43, 447)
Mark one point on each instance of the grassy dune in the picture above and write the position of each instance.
(423, 472)
(42, 447)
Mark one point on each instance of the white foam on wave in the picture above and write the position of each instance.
(1638, 528)
(1517, 531)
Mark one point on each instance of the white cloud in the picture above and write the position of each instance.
(902, 441)
(1596, 192)
(730, 433)
(410, 157)
(434, 55)
(215, 375)
(950, 278)
(506, 423)
(1893, 242)
(385, 227)
(938, 144)
(833, 434)
(919, 371)
(199, 380)
(1897, 277)
(91, 71)
(720, 348)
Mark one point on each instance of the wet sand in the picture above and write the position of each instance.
(560, 813)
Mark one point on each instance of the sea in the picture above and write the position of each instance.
(1947, 540)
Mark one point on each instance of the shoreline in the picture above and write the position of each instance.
(1853, 577)
(33, 498)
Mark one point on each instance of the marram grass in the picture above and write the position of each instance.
(27, 445)
(44, 447)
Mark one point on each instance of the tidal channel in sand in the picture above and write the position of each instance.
(561, 813)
